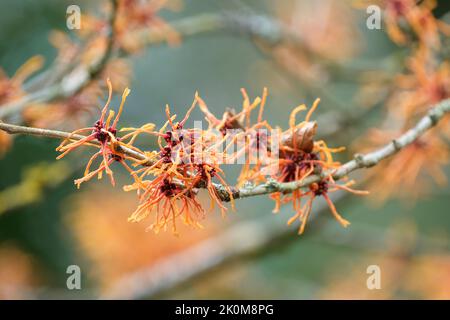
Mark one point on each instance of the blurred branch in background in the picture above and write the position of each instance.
(268, 30)
(14, 129)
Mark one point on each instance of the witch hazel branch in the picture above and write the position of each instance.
(291, 166)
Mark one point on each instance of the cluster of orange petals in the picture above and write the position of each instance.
(300, 156)
(187, 160)
(168, 181)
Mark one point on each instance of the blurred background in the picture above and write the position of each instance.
(46, 224)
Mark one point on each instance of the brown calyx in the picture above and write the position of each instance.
(301, 138)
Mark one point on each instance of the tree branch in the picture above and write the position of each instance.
(15, 129)
(435, 114)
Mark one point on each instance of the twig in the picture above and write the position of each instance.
(15, 129)
(435, 114)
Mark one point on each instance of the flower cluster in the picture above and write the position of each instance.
(104, 134)
(168, 180)
(300, 156)
(185, 162)
(188, 159)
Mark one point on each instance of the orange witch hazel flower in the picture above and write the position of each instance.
(168, 200)
(186, 161)
(104, 132)
(299, 157)
(232, 119)
(250, 135)
(322, 188)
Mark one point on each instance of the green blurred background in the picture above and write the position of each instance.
(59, 227)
